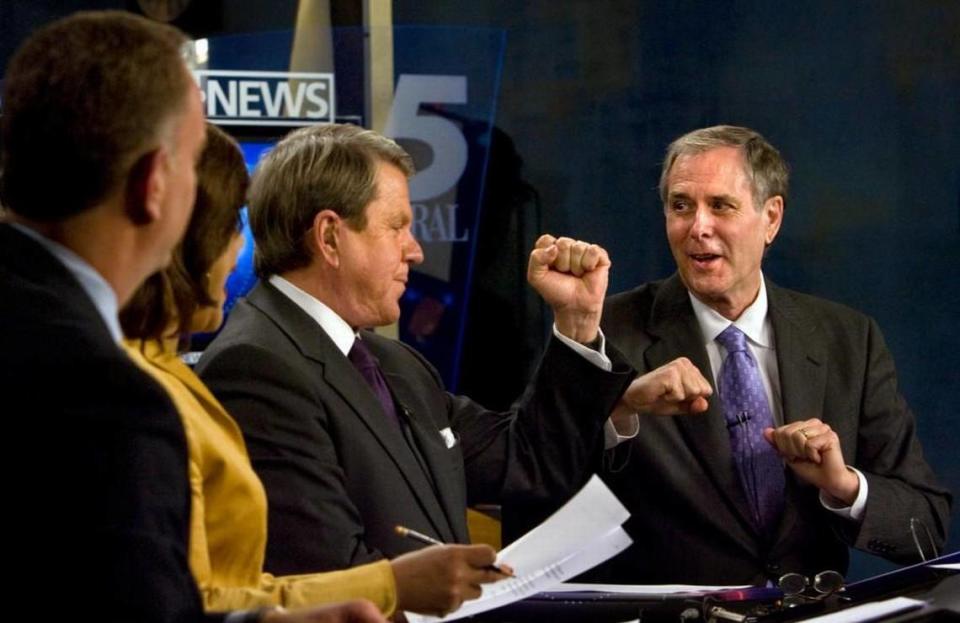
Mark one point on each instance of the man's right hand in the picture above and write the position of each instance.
(437, 579)
(672, 389)
(571, 276)
(347, 612)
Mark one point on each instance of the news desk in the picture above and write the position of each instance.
(937, 588)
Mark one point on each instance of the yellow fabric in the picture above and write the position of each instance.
(228, 514)
(484, 529)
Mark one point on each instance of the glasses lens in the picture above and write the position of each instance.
(827, 582)
(792, 583)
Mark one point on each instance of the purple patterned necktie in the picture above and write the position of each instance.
(368, 366)
(747, 412)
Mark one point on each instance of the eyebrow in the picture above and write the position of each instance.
(726, 199)
(400, 218)
(721, 197)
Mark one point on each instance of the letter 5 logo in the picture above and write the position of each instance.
(444, 137)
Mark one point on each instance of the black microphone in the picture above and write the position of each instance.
(742, 418)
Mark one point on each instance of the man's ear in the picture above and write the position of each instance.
(325, 236)
(773, 213)
(146, 187)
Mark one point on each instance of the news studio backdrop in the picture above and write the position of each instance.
(441, 110)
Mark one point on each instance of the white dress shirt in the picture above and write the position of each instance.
(333, 325)
(756, 326)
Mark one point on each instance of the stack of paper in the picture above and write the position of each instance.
(579, 536)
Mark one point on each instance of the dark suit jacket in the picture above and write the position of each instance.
(98, 513)
(339, 476)
(677, 476)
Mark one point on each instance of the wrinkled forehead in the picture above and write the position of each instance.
(714, 172)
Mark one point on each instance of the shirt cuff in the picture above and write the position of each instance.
(613, 438)
(597, 357)
(855, 511)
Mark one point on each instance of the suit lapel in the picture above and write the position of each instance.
(803, 377)
(800, 358)
(437, 457)
(675, 324)
(340, 375)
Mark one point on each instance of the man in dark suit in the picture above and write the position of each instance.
(103, 104)
(712, 501)
(349, 444)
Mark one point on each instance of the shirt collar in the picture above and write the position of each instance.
(333, 325)
(753, 320)
(100, 292)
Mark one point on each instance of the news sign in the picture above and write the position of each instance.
(267, 98)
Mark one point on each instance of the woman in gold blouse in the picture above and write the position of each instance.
(228, 503)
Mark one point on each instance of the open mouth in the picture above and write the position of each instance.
(703, 260)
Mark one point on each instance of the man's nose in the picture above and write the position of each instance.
(702, 224)
(412, 251)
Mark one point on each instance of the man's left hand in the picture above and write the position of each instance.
(812, 450)
(571, 276)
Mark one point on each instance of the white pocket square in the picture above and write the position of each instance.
(448, 437)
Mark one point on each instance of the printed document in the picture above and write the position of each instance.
(579, 536)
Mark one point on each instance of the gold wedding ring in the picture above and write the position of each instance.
(806, 435)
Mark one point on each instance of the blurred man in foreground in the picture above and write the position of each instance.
(102, 129)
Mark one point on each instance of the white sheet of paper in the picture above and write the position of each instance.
(591, 513)
(579, 536)
(953, 566)
(867, 612)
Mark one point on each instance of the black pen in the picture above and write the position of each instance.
(429, 540)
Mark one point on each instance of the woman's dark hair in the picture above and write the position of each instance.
(176, 292)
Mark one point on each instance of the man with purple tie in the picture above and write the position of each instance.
(353, 433)
(806, 446)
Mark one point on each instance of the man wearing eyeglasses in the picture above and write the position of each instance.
(803, 445)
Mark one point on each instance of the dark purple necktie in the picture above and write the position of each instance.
(747, 412)
(368, 366)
